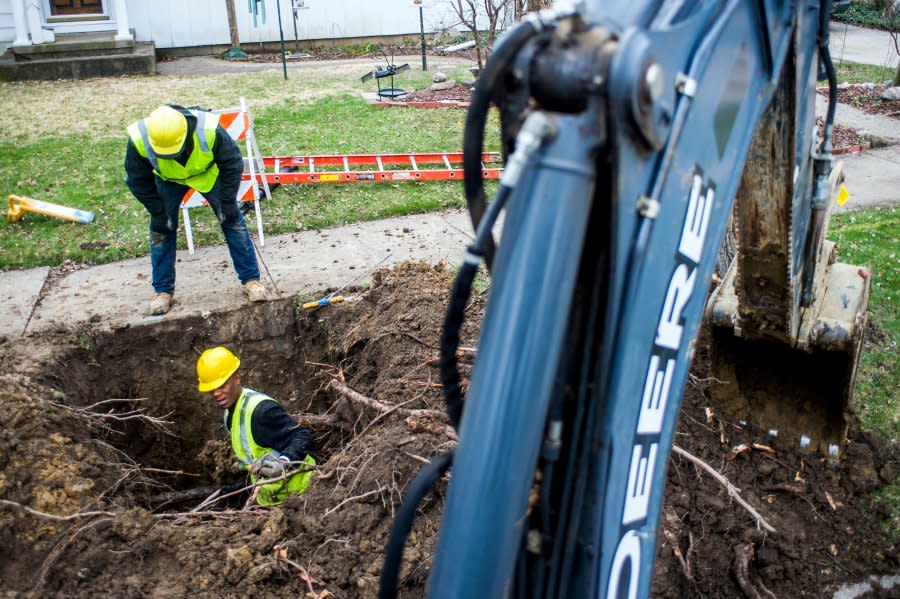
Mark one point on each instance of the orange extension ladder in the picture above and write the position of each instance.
(371, 168)
(261, 172)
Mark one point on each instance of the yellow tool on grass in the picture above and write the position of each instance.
(19, 205)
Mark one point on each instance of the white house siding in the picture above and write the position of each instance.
(7, 27)
(186, 23)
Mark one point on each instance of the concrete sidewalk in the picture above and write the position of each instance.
(849, 43)
(115, 295)
(872, 177)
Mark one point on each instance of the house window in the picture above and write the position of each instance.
(76, 7)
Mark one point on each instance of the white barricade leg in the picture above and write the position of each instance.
(187, 229)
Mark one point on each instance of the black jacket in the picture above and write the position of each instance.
(141, 180)
(273, 427)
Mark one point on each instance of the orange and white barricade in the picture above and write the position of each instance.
(238, 122)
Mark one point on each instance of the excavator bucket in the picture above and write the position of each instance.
(787, 321)
(798, 393)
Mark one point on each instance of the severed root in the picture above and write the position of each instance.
(383, 408)
(462, 353)
(679, 555)
(431, 426)
(743, 554)
(733, 491)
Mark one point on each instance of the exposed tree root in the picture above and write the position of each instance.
(743, 554)
(345, 391)
(733, 491)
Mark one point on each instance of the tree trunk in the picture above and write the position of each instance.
(896, 81)
(232, 24)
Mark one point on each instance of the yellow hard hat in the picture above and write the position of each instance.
(214, 367)
(167, 130)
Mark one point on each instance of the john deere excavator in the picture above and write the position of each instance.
(631, 129)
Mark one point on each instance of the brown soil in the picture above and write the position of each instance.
(329, 53)
(457, 93)
(843, 137)
(868, 100)
(64, 455)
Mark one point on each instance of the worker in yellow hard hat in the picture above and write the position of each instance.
(269, 443)
(170, 152)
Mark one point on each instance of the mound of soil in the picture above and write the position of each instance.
(89, 479)
(868, 99)
(457, 93)
(844, 138)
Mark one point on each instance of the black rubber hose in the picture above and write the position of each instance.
(832, 93)
(822, 41)
(473, 135)
(456, 309)
(403, 522)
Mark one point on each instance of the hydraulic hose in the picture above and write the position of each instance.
(536, 129)
(456, 309)
(823, 160)
(473, 134)
(403, 522)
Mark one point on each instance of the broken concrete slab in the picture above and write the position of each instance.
(116, 295)
(19, 293)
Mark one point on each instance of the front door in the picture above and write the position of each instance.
(60, 8)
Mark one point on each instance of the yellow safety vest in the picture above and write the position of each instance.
(248, 451)
(200, 172)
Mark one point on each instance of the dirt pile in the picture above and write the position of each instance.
(105, 433)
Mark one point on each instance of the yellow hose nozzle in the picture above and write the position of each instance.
(19, 205)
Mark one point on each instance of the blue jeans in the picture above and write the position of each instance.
(164, 234)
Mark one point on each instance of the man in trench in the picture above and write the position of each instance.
(268, 442)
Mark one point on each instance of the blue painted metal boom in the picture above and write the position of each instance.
(607, 252)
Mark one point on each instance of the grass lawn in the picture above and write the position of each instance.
(64, 142)
(851, 72)
(872, 238)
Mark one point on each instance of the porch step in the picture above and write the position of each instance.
(78, 60)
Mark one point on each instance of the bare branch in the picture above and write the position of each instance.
(733, 491)
(54, 517)
(103, 419)
(381, 407)
(349, 499)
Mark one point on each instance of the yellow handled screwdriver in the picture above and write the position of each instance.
(316, 304)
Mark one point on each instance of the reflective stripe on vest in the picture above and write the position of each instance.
(200, 171)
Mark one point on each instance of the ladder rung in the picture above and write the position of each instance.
(339, 168)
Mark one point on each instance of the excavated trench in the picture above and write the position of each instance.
(76, 480)
(151, 370)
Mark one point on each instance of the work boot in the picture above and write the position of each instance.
(161, 303)
(255, 291)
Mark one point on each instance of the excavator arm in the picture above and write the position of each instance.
(631, 127)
